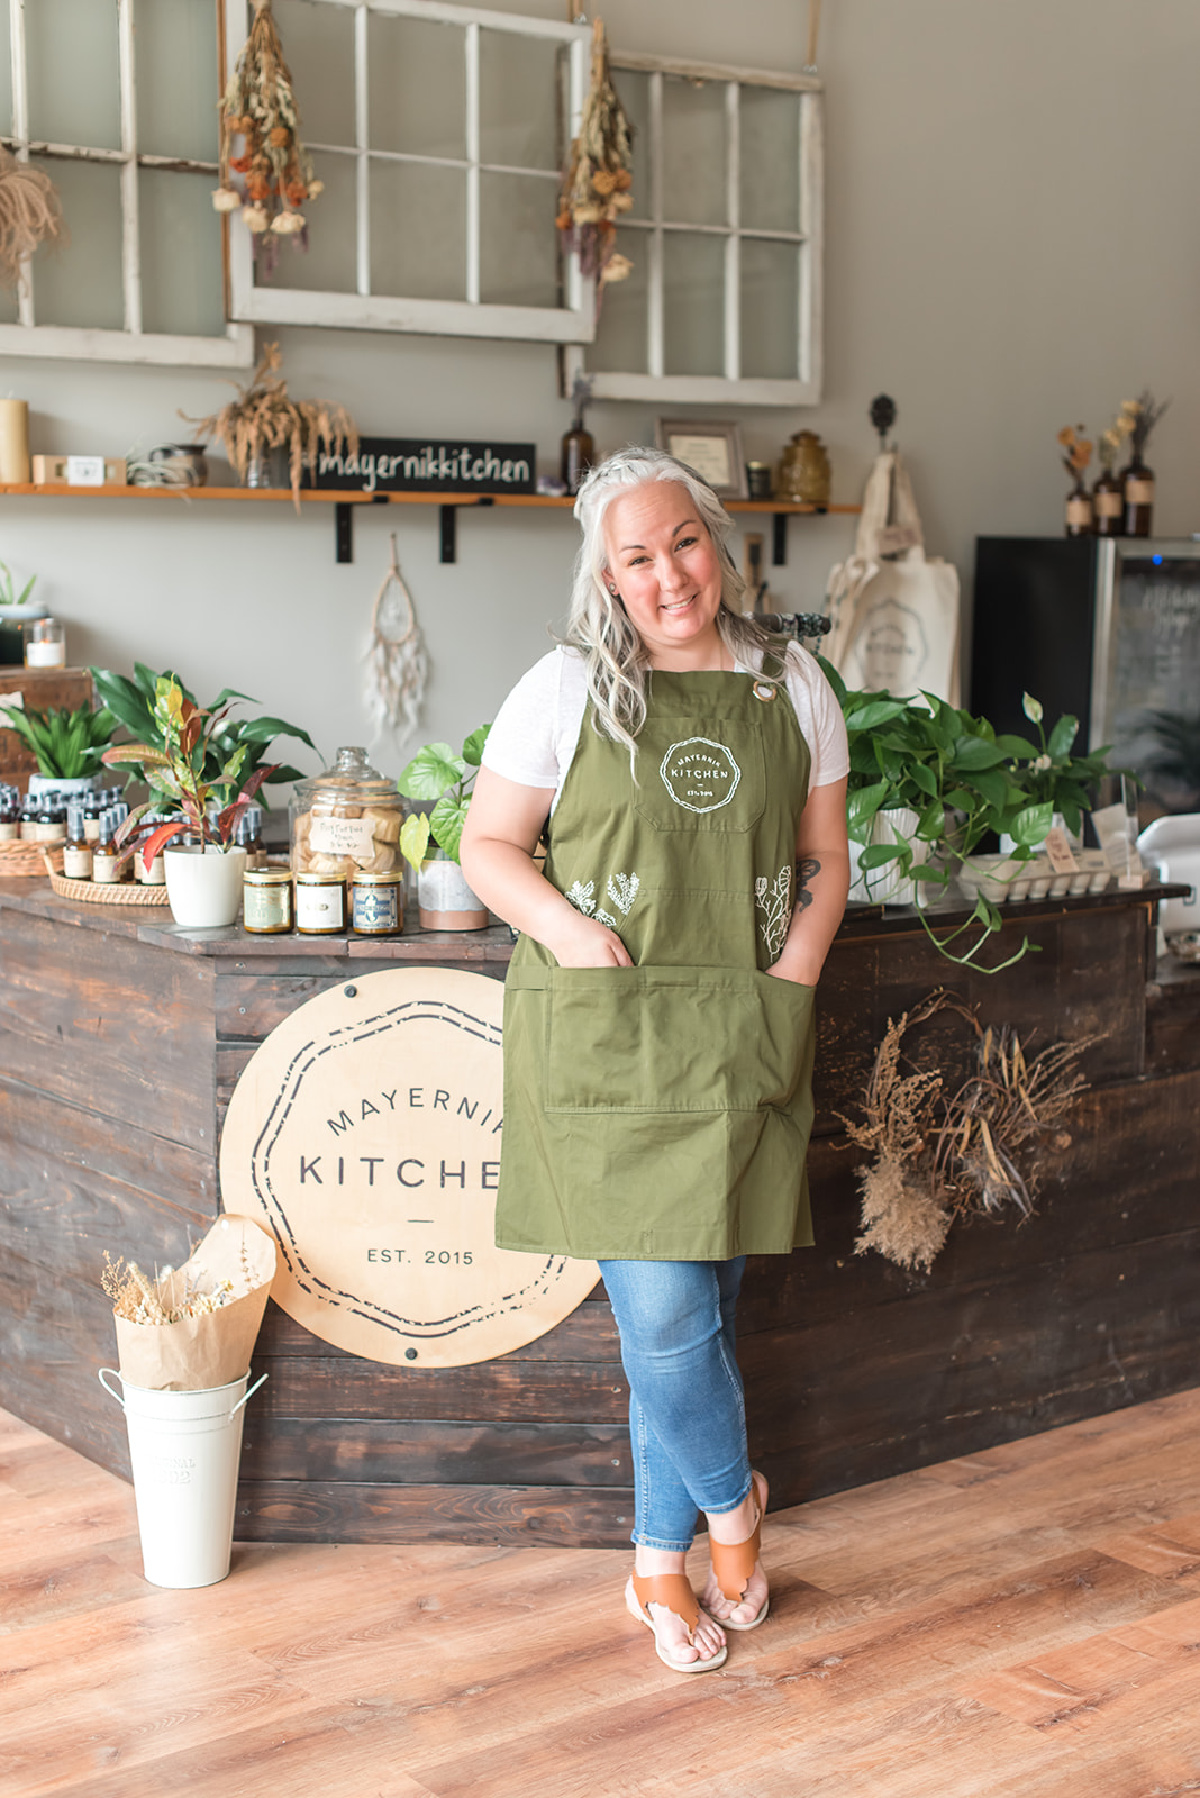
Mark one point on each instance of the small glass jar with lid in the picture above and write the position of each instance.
(267, 901)
(347, 820)
(46, 644)
(377, 904)
(320, 905)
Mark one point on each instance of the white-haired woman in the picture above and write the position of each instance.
(688, 775)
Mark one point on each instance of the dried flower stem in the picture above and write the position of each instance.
(263, 417)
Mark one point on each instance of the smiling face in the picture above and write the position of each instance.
(666, 570)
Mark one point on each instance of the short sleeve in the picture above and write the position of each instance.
(820, 717)
(521, 743)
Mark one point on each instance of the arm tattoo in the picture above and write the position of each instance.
(806, 870)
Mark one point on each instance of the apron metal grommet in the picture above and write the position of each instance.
(763, 691)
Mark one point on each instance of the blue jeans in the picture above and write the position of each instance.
(687, 1418)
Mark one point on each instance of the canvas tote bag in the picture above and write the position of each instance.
(894, 610)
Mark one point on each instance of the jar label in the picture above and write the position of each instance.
(1079, 512)
(267, 908)
(376, 908)
(77, 864)
(341, 836)
(1107, 505)
(321, 908)
(1139, 492)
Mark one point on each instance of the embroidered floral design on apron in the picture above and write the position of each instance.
(662, 1111)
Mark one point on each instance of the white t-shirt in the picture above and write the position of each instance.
(537, 728)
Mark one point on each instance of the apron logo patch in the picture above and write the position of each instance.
(700, 775)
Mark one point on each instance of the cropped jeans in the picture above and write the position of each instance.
(687, 1417)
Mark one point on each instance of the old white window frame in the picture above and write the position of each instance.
(469, 317)
(728, 388)
(234, 349)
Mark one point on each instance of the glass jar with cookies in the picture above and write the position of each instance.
(347, 820)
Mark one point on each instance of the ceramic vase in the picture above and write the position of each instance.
(444, 899)
(204, 885)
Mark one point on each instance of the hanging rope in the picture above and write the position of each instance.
(397, 666)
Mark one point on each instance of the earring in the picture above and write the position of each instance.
(612, 592)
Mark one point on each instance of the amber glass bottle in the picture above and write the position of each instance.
(1137, 485)
(1108, 503)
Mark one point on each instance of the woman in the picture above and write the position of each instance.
(689, 777)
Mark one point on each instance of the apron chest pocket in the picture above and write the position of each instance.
(673, 1039)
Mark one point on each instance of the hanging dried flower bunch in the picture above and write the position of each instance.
(397, 666)
(260, 108)
(30, 213)
(265, 417)
(939, 1154)
(598, 177)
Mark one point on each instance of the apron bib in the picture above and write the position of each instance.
(662, 1111)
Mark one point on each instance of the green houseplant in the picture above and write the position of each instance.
(68, 744)
(16, 609)
(436, 773)
(930, 785)
(184, 766)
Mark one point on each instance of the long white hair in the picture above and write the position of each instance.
(599, 626)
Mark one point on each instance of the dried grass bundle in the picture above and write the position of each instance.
(937, 1154)
(397, 666)
(265, 417)
(598, 176)
(139, 1299)
(30, 212)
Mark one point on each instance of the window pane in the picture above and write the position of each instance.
(176, 78)
(769, 321)
(318, 47)
(180, 241)
(418, 86)
(518, 251)
(693, 304)
(80, 283)
(418, 231)
(74, 82)
(620, 346)
(633, 90)
(769, 134)
(328, 265)
(522, 100)
(5, 74)
(694, 152)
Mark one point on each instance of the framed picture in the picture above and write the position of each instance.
(713, 450)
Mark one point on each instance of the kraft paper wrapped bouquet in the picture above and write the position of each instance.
(193, 1327)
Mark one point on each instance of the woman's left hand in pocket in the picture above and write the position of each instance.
(795, 969)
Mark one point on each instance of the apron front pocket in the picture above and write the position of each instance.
(673, 1039)
(691, 779)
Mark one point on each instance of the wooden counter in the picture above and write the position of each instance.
(123, 1039)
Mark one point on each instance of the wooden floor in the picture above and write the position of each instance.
(1025, 1621)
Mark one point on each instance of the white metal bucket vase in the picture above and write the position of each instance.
(883, 886)
(205, 889)
(445, 900)
(185, 1448)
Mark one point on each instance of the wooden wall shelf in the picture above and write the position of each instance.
(448, 505)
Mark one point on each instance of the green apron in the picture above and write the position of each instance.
(661, 1112)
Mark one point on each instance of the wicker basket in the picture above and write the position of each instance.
(24, 861)
(107, 892)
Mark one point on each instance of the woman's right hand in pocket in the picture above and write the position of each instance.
(580, 942)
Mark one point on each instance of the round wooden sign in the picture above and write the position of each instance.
(365, 1134)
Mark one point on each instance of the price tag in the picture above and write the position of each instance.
(1060, 852)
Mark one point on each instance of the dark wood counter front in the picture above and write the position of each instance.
(123, 1039)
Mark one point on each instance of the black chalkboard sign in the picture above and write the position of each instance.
(426, 465)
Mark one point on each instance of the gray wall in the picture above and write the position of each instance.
(1012, 246)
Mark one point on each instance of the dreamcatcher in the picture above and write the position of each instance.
(396, 662)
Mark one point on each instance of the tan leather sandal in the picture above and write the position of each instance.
(733, 1563)
(674, 1592)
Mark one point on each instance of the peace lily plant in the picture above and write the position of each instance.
(963, 784)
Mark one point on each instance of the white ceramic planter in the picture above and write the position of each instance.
(445, 901)
(883, 886)
(50, 783)
(204, 886)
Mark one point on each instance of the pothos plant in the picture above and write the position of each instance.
(437, 773)
(177, 767)
(964, 784)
